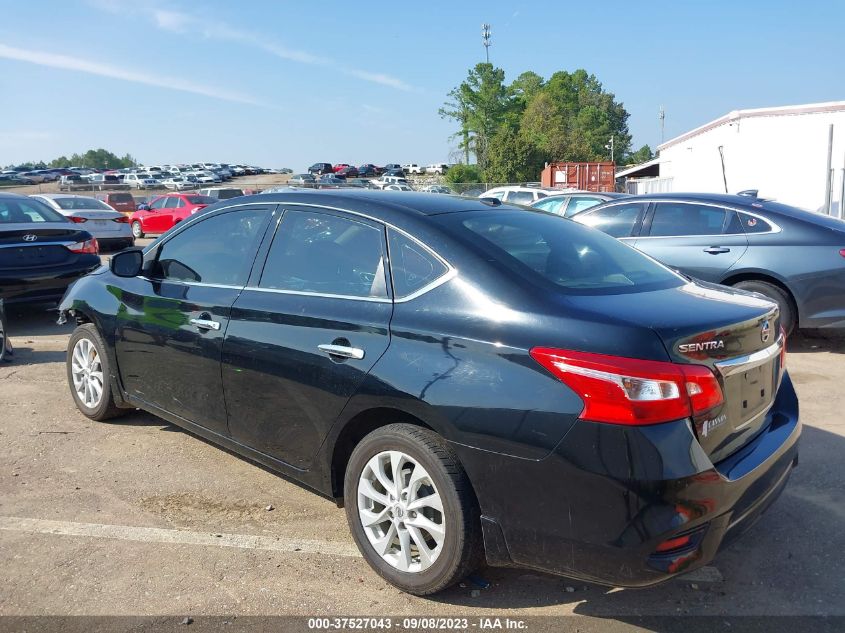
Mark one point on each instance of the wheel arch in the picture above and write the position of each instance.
(770, 279)
(353, 431)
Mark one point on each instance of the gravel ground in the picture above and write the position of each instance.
(139, 517)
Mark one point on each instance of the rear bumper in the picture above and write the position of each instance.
(45, 284)
(598, 506)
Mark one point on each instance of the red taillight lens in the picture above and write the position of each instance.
(77, 219)
(88, 246)
(842, 252)
(622, 390)
(121, 220)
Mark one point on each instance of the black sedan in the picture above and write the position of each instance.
(41, 251)
(471, 379)
(794, 257)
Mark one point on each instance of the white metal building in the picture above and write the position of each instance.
(782, 152)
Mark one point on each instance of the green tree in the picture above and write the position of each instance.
(480, 105)
(512, 158)
(642, 155)
(96, 158)
(463, 174)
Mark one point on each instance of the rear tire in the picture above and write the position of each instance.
(88, 374)
(776, 294)
(137, 230)
(436, 548)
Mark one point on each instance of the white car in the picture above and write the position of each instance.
(437, 168)
(141, 181)
(436, 189)
(177, 183)
(384, 181)
(413, 168)
(397, 188)
(110, 227)
(222, 193)
(518, 194)
(204, 177)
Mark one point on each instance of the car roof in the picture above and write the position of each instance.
(381, 205)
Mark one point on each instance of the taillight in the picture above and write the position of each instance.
(77, 219)
(622, 390)
(88, 246)
(121, 220)
(842, 252)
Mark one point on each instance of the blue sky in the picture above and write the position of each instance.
(291, 83)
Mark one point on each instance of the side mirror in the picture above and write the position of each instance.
(128, 263)
(143, 207)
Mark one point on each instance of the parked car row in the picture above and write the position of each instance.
(346, 170)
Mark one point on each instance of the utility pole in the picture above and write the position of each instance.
(610, 146)
(485, 39)
(662, 117)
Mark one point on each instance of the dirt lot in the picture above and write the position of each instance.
(139, 517)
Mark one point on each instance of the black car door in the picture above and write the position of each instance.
(171, 323)
(306, 331)
(700, 240)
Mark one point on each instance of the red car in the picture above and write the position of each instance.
(166, 211)
(339, 166)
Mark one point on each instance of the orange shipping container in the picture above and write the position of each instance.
(584, 176)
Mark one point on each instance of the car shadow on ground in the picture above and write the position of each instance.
(27, 320)
(816, 341)
(788, 563)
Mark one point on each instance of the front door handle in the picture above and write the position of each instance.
(715, 250)
(205, 324)
(342, 350)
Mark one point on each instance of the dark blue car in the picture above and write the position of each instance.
(794, 257)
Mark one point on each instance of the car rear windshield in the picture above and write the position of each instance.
(81, 203)
(23, 211)
(200, 199)
(122, 197)
(552, 249)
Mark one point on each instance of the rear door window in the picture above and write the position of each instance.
(327, 254)
(618, 220)
(679, 218)
(753, 224)
(412, 265)
(576, 205)
(520, 197)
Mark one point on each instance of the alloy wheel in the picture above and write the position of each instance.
(87, 372)
(401, 511)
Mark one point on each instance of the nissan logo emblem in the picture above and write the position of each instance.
(30, 237)
(766, 331)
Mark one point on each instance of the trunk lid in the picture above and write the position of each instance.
(26, 246)
(734, 333)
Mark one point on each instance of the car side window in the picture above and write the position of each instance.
(577, 205)
(158, 204)
(677, 218)
(751, 224)
(553, 204)
(412, 265)
(520, 197)
(618, 220)
(217, 250)
(171, 203)
(326, 254)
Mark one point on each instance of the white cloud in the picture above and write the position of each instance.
(65, 62)
(180, 22)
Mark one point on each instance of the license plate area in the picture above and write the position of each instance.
(757, 390)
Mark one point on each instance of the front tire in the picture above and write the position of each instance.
(88, 374)
(137, 230)
(776, 294)
(420, 530)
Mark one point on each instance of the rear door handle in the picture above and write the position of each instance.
(205, 324)
(342, 350)
(715, 250)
